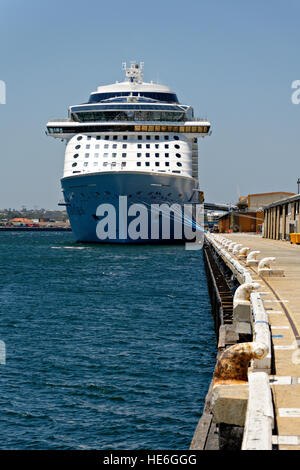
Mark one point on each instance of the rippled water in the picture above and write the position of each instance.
(108, 347)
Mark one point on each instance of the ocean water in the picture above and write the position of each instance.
(107, 347)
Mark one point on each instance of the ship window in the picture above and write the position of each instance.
(147, 155)
(105, 163)
(166, 155)
(157, 155)
(87, 147)
(140, 137)
(97, 146)
(156, 163)
(157, 137)
(98, 137)
(124, 137)
(166, 137)
(105, 155)
(177, 146)
(114, 155)
(87, 155)
(79, 138)
(167, 163)
(176, 171)
(74, 164)
(123, 163)
(176, 137)
(124, 146)
(166, 146)
(139, 154)
(76, 171)
(147, 146)
(138, 163)
(115, 137)
(124, 155)
(114, 146)
(157, 146)
(86, 163)
(179, 164)
(106, 137)
(106, 146)
(139, 146)
(147, 163)
(89, 137)
(95, 163)
(76, 155)
(96, 155)
(148, 137)
(78, 147)
(178, 155)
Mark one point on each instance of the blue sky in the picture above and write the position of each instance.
(233, 61)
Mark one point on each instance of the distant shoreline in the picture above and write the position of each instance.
(35, 229)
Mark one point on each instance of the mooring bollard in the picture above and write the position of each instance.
(244, 252)
(251, 258)
(242, 307)
(237, 248)
(264, 268)
(230, 382)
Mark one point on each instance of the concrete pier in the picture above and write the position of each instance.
(265, 409)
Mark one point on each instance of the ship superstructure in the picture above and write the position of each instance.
(131, 139)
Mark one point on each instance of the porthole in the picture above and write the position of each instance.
(79, 137)
(178, 155)
(124, 155)
(139, 155)
(157, 155)
(74, 164)
(76, 155)
(177, 146)
(77, 147)
(148, 155)
(179, 164)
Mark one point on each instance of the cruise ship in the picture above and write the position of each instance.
(131, 148)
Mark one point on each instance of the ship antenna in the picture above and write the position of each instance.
(134, 73)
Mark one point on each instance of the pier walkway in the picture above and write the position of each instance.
(281, 298)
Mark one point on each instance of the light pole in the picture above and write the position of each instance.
(298, 183)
